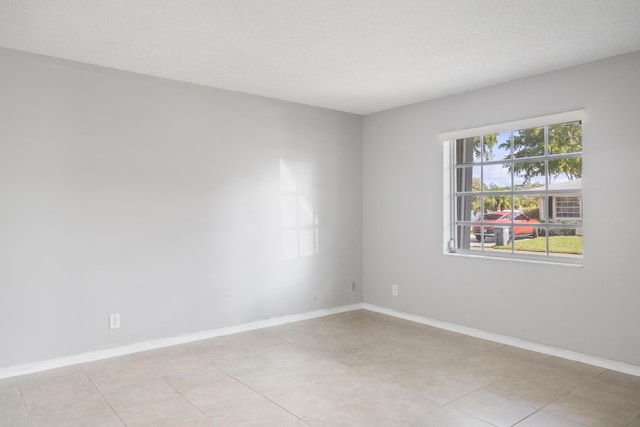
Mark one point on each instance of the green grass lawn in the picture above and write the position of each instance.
(557, 244)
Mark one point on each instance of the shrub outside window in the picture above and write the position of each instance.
(516, 192)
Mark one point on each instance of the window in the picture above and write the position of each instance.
(516, 189)
(568, 206)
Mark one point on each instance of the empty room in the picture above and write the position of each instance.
(319, 213)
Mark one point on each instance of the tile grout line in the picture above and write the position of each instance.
(24, 402)
(226, 375)
(173, 388)
(267, 398)
(485, 388)
(185, 397)
(101, 395)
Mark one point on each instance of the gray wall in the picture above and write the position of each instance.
(169, 203)
(594, 309)
(172, 204)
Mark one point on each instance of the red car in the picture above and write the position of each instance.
(504, 217)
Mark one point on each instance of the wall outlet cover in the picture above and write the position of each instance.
(114, 321)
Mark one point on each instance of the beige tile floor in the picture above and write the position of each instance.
(353, 369)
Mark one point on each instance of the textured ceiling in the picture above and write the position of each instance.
(359, 56)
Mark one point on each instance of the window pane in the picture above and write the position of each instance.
(528, 143)
(529, 204)
(468, 178)
(528, 175)
(502, 236)
(497, 203)
(478, 151)
(565, 174)
(502, 147)
(565, 138)
(468, 150)
(497, 178)
(490, 224)
(467, 239)
(490, 147)
(468, 208)
(565, 241)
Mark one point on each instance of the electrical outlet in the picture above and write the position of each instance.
(114, 321)
(353, 286)
(394, 290)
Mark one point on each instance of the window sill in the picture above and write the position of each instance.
(559, 261)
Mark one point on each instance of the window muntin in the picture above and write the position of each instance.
(518, 193)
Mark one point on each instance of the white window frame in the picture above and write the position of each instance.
(448, 139)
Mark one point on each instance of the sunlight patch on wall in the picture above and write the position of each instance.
(299, 221)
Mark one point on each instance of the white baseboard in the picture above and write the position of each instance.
(60, 362)
(108, 353)
(514, 342)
